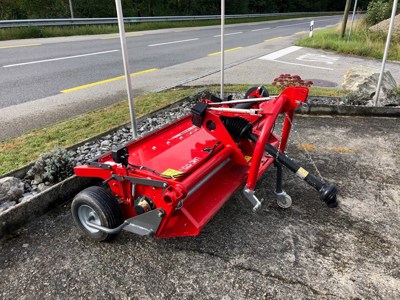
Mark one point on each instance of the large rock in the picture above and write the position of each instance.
(11, 189)
(362, 81)
(384, 25)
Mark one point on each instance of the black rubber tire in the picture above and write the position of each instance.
(249, 91)
(264, 92)
(104, 204)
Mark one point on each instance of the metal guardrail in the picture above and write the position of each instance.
(133, 20)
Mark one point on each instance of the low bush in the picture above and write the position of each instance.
(377, 11)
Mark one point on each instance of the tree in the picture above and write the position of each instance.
(345, 17)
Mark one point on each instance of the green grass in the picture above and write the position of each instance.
(19, 151)
(53, 31)
(362, 42)
(273, 90)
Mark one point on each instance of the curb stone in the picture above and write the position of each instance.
(41, 203)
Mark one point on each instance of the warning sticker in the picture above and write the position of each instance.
(247, 158)
(301, 173)
(171, 173)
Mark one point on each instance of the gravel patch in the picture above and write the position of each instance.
(90, 150)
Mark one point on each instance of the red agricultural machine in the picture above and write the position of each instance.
(171, 182)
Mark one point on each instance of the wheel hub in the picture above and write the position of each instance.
(87, 214)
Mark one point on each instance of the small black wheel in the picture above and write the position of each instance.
(99, 206)
(263, 92)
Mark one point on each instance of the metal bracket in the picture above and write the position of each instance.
(142, 181)
(249, 194)
(144, 224)
(99, 165)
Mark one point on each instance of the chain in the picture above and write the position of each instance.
(305, 149)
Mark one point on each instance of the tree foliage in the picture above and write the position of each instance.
(379, 10)
(43, 9)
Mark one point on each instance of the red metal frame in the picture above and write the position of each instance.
(200, 167)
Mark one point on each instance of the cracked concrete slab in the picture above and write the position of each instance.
(305, 252)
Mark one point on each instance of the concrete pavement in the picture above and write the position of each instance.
(324, 68)
(305, 252)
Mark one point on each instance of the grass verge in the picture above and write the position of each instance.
(19, 151)
(53, 31)
(362, 42)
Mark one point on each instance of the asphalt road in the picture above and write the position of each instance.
(305, 252)
(41, 68)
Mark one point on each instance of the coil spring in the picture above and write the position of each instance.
(237, 127)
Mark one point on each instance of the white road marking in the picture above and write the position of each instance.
(277, 54)
(330, 60)
(233, 33)
(174, 42)
(261, 29)
(282, 26)
(59, 58)
(280, 53)
(308, 66)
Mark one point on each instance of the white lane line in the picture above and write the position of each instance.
(174, 42)
(261, 29)
(233, 33)
(59, 58)
(308, 66)
(282, 26)
(280, 53)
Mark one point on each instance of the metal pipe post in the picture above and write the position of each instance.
(71, 9)
(126, 66)
(222, 47)
(385, 54)
(352, 20)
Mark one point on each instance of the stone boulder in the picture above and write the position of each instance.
(11, 189)
(362, 81)
(384, 25)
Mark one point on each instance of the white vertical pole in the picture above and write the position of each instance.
(352, 20)
(222, 47)
(126, 66)
(311, 28)
(71, 9)
(386, 52)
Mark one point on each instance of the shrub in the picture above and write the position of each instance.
(52, 167)
(287, 80)
(377, 11)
